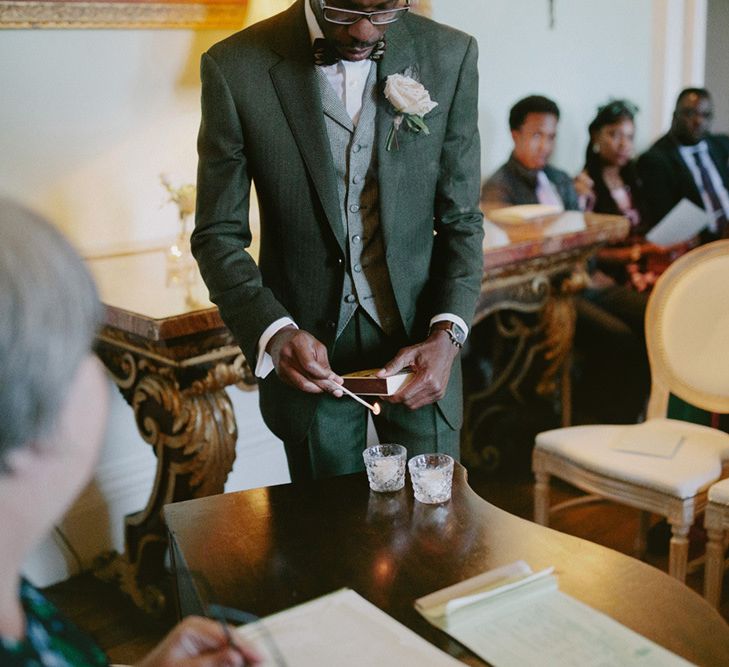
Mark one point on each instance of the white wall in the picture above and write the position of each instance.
(596, 51)
(91, 118)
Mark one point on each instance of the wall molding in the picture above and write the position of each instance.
(679, 55)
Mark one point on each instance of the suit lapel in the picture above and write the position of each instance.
(398, 56)
(333, 106)
(689, 184)
(297, 88)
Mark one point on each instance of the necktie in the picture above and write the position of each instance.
(325, 53)
(545, 191)
(708, 185)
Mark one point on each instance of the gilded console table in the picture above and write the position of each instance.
(171, 357)
(532, 272)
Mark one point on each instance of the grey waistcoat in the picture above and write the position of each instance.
(366, 278)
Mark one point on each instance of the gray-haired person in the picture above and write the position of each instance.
(53, 407)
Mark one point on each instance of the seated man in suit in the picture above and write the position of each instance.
(527, 178)
(689, 162)
(612, 373)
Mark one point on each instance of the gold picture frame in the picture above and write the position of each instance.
(26, 14)
(196, 14)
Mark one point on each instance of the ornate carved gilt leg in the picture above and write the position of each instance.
(534, 314)
(191, 427)
(559, 317)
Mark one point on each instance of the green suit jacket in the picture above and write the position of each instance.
(262, 121)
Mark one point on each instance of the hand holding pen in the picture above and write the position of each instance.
(201, 642)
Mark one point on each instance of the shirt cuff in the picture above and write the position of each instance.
(449, 317)
(265, 362)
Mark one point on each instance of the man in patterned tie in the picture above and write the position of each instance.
(527, 178)
(689, 163)
(370, 227)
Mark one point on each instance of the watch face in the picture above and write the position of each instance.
(459, 335)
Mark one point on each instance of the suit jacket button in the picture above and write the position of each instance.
(350, 298)
(331, 324)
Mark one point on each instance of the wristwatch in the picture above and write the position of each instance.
(455, 333)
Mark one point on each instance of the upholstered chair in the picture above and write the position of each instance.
(662, 466)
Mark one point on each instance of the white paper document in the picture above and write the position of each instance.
(684, 221)
(341, 629)
(530, 622)
(649, 439)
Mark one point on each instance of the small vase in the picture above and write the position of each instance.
(181, 267)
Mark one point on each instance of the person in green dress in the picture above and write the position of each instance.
(53, 407)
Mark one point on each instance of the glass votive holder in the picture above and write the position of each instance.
(432, 476)
(385, 465)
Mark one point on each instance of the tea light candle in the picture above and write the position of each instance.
(432, 476)
(385, 465)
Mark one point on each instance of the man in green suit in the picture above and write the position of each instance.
(370, 248)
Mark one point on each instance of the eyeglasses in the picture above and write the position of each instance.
(351, 16)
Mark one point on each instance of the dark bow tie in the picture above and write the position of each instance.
(325, 53)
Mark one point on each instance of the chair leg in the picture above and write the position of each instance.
(714, 573)
(641, 539)
(541, 498)
(678, 553)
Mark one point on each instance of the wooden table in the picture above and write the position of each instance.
(171, 357)
(268, 549)
(532, 273)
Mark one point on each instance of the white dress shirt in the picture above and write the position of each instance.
(348, 79)
(546, 192)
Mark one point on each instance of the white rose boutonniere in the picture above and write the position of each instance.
(411, 101)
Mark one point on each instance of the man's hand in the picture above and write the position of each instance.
(200, 642)
(302, 361)
(431, 362)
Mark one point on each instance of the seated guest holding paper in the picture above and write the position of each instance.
(689, 163)
(53, 406)
(612, 376)
(609, 183)
(527, 178)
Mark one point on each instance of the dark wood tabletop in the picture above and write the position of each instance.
(268, 549)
